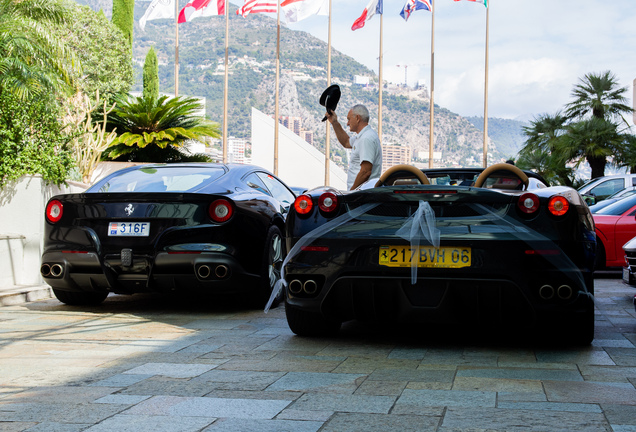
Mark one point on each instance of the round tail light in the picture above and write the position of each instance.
(303, 204)
(54, 211)
(328, 202)
(221, 210)
(558, 205)
(528, 203)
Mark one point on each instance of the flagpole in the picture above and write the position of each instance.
(485, 162)
(176, 48)
(380, 78)
(431, 137)
(328, 136)
(276, 91)
(225, 106)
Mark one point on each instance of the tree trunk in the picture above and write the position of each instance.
(598, 165)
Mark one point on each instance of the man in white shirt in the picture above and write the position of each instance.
(365, 161)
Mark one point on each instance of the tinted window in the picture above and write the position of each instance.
(619, 207)
(278, 189)
(159, 179)
(255, 182)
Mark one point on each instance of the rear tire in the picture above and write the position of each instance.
(273, 257)
(80, 298)
(599, 260)
(310, 324)
(582, 332)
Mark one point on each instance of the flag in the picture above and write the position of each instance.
(158, 9)
(201, 8)
(413, 5)
(484, 2)
(374, 7)
(257, 6)
(297, 10)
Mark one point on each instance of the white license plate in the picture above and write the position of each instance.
(625, 275)
(129, 229)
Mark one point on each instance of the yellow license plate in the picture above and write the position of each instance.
(425, 256)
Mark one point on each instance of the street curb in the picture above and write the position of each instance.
(24, 294)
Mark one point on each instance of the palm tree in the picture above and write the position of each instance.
(592, 140)
(599, 103)
(32, 61)
(155, 130)
(544, 135)
(600, 96)
(544, 132)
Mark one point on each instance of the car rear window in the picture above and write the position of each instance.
(159, 179)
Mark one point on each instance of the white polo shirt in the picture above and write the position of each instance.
(365, 146)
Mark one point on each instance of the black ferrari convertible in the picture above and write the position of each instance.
(190, 228)
(494, 247)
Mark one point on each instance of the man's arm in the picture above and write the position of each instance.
(363, 175)
(341, 134)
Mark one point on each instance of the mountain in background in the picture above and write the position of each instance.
(508, 134)
(303, 77)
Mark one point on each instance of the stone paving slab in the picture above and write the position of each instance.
(149, 363)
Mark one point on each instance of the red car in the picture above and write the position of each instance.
(615, 226)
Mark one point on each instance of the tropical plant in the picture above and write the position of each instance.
(544, 164)
(156, 130)
(588, 131)
(592, 140)
(33, 62)
(598, 96)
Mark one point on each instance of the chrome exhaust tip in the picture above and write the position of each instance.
(57, 270)
(546, 292)
(310, 287)
(204, 272)
(565, 292)
(45, 270)
(295, 286)
(221, 271)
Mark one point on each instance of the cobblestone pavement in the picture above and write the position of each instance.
(149, 363)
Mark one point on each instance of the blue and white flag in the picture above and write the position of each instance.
(413, 5)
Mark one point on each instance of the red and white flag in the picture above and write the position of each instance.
(201, 8)
(374, 7)
(158, 9)
(257, 6)
(298, 10)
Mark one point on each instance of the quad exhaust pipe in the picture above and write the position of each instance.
(564, 292)
(51, 270)
(309, 287)
(204, 271)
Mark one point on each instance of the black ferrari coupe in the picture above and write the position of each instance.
(190, 228)
(494, 247)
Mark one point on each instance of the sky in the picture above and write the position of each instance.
(538, 49)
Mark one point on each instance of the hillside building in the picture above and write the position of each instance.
(236, 150)
(395, 154)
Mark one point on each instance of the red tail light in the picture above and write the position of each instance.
(221, 210)
(528, 203)
(328, 202)
(54, 211)
(303, 204)
(558, 205)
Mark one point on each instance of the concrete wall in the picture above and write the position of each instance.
(299, 163)
(22, 205)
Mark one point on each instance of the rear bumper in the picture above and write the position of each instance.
(210, 272)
